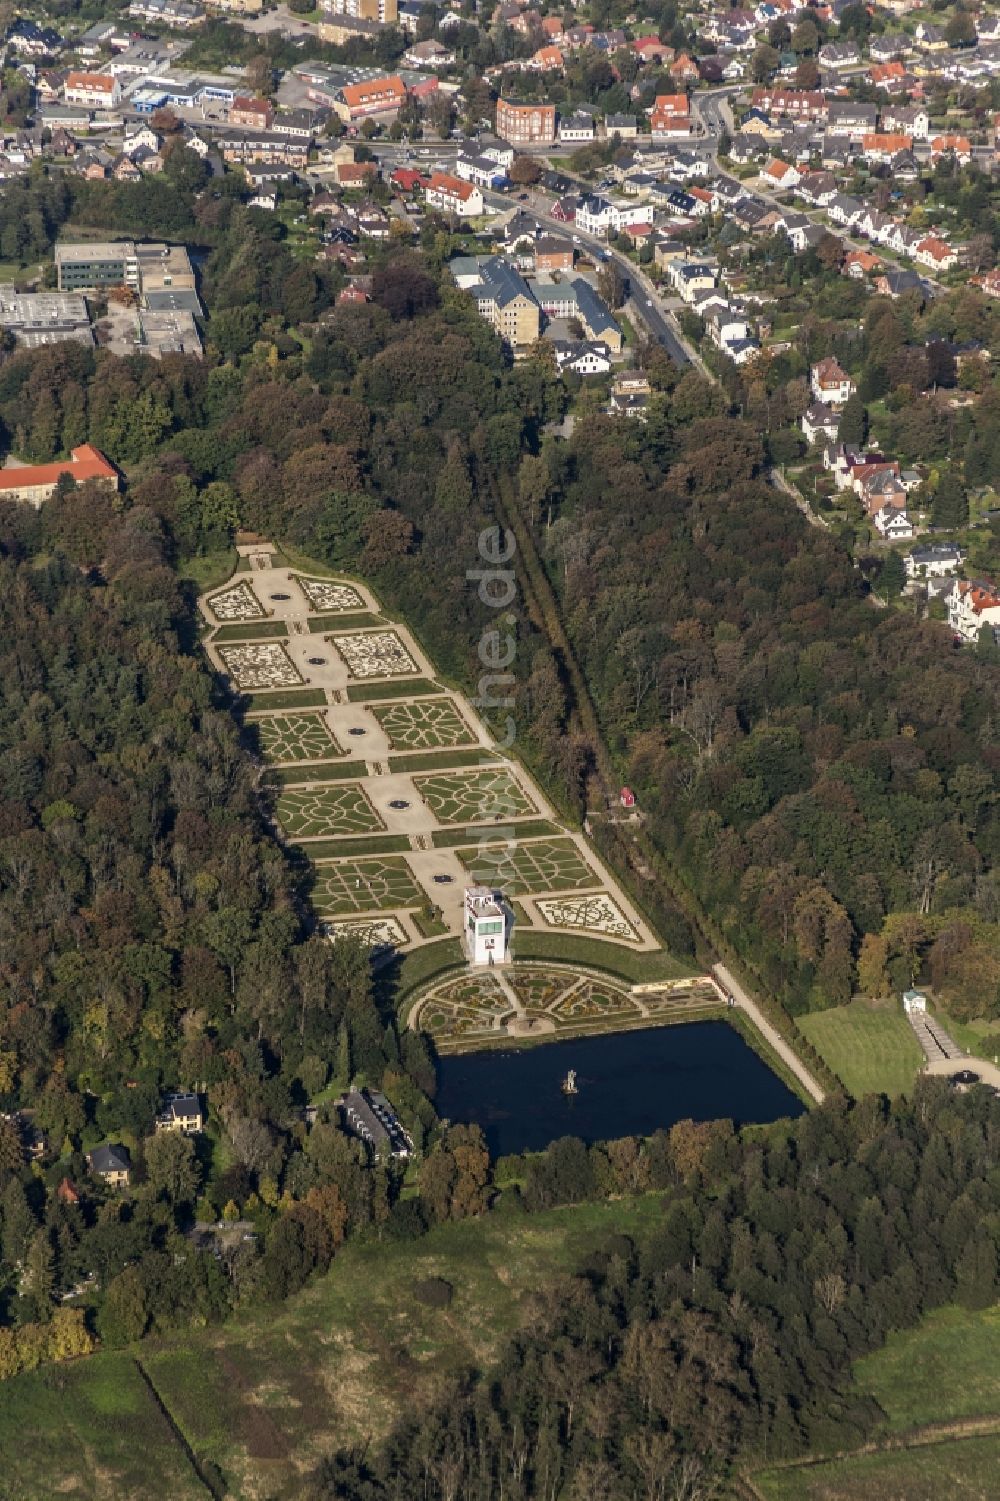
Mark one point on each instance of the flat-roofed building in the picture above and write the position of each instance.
(36, 318)
(85, 267)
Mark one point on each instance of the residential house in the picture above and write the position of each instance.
(972, 605)
(428, 54)
(626, 127)
(578, 128)
(957, 146)
(367, 1113)
(935, 253)
(684, 70)
(848, 117)
(689, 277)
(375, 96)
(796, 104)
(779, 174)
(819, 423)
(882, 146)
(112, 1164)
(860, 264)
(92, 90)
(934, 560)
(829, 383)
(912, 120)
(670, 116)
(893, 524)
(256, 114)
(581, 356)
(894, 283)
(182, 1113)
(839, 55)
(553, 254)
(891, 77)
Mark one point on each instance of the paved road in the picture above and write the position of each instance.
(731, 986)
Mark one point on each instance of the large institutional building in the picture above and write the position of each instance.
(526, 124)
(35, 483)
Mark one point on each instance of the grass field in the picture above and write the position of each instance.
(946, 1368)
(445, 839)
(63, 1432)
(265, 1396)
(961, 1470)
(363, 693)
(598, 954)
(869, 1045)
(319, 771)
(251, 630)
(284, 698)
(363, 618)
(365, 844)
(331, 810)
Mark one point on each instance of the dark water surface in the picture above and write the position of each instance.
(630, 1084)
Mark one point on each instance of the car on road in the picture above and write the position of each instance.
(522, 197)
(649, 302)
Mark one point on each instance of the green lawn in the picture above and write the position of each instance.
(266, 1395)
(92, 1431)
(946, 1368)
(363, 693)
(869, 1045)
(959, 1470)
(210, 570)
(600, 954)
(250, 630)
(284, 698)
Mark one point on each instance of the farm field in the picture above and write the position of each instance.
(265, 1396)
(869, 1045)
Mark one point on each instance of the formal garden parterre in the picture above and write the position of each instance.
(370, 885)
(491, 794)
(344, 809)
(431, 724)
(294, 737)
(374, 654)
(262, 664)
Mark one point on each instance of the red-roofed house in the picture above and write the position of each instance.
(255, 114)
(670, 115)
(454, 196)
(683, 70)
(971, 605)
(357, 174)
(37, 482)
(547, 60)
(92, 90)
(887, 75)
(779, 174)
(958, 146)
(860, 263)
(935, 253)
(652, 50)
(830, 383)
(407, 179)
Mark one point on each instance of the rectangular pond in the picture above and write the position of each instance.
(629, 1084)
